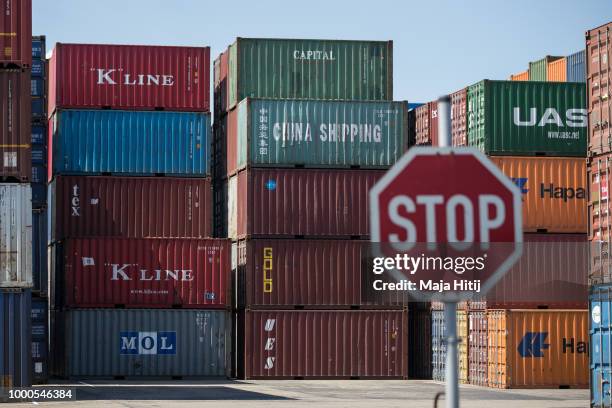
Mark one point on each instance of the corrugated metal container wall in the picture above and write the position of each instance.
(220, 83)
(554, 192)
(477, 348)
(599, 334)
(598, 72)
(538, 70)
(427, 124)
(146, 273)
(576, 71)
(141, 343)
(556, 267)
(310, 69)
(16, 32)
(39, 251)
(528, 118)
(138, 77)
(438, 345)
(15, 128)
(306, 202)
(15, 235)
(600, 212)
(521, 76)
(459, 117)
(39, 47)
(280, 133)
(419, 344)
(323, 344)
(15, 343)
(40, 339)
(135, 143)
(538, 348)
(462, 347)
(130, 207)
(557, 70)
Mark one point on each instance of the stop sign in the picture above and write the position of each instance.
(450, 196)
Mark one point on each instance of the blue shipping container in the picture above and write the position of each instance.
(600, 308)
(39, 250)
(40, 340)
(576, 71)
(15, 338)
(38, 108)
(130, 142)
(39, 155)
(38, 68)
(438, 346)
(39, 134)
(38, 87)
(39, 195)
(39, 46)
(414, 105)
(39, 174)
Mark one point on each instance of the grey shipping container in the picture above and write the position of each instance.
(15, 235)
(140, 343)
(15, 347)
(40, 340)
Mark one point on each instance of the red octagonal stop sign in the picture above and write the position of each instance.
(451, 196)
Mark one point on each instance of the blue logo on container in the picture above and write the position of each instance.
(135, 342)
(271, 185)
(521, 183)
(533, 344)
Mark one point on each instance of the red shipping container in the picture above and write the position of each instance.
(426, 126)
(300, 202)
(129, 77)
(324, 344)
(599, 73)
(146, 273)
(130, 207)
(15, 130)
(459, 117)
(16, 33)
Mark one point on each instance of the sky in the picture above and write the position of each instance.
(440, 46)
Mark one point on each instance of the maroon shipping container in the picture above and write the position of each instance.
(552, 273)
(459, 117)
(300, 202)
(324, 344)
(146, 273)
(599, 73)
(129, 77)
(15, 131)
(130, 207)
(477, 348)
(426, 126)
(16, 33)
(220, 83)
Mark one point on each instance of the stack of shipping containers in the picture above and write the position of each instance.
(570, 68)
(15, 194)
(599, 75)
(303, 129)
(139, 287)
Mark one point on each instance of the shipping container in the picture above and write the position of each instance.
(144, 273)
(309, 69)
(140, 343)
(419, 344)
(220, 80)
(426, 126)
(459, 117)
(220, 220)
(554, 192)
(538, 70)
(598, 54)
(126, 142)
(521, 76)
(552, 273)
(600, 308)
(16, 33)
(337, 134)
(462, 347)
(39, 134)
(538, 348)
(130, 207)
(37, 87)
(300, 202)
(39, 46)
(40, 232)
(557, 70)
(527, 118)
(576, 71)
(477, 348)
(324, 344)
(600, 213)
(15, 152)
(15, 235)
(15, 343)
(40, 340)
(129, 77)
(39, 108)
(439, 348)
(38, 69)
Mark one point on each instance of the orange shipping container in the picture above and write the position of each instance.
(554, 192)
(538, 348)
(521, 76)
(557, 71)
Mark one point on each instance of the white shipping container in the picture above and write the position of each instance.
(15, 235)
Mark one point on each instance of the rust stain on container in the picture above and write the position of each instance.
(599, 104)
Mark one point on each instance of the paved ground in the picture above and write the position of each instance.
(271, 394)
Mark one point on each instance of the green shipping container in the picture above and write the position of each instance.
(273, 132)
(310, 69)
(538, 70)
(528, 118)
